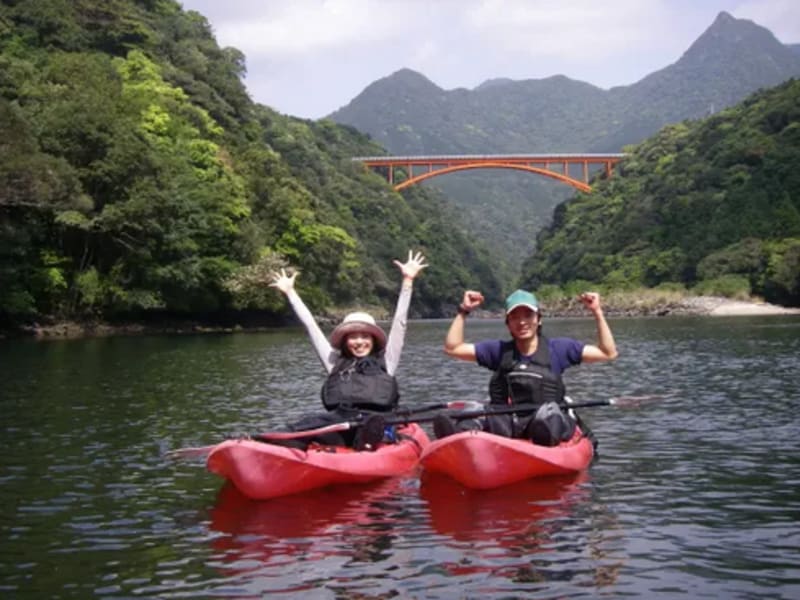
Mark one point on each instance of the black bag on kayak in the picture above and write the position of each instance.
(548, 427)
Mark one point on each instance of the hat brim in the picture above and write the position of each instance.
(344, 329)
(518, 304)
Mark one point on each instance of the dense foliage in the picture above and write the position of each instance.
(712, 203)
(411, 115)
(138, 178)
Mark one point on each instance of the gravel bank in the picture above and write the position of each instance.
(723, 307)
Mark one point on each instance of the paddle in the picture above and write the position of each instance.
(484, 410)
(499, 409)
(469, 409)
(454, 405)
(404, 417)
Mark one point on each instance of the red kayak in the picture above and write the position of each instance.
(262, 471)
(482, 460)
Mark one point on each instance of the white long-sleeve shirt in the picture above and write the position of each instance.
(328, 355)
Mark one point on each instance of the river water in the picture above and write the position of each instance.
(695, 493)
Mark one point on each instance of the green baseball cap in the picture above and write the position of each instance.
(521, 298)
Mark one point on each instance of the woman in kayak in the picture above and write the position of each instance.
(360, 362)
(527, 369)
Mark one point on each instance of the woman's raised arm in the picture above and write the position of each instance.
(285, 283)
(397, 334)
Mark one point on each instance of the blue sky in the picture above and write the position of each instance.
(309, 57)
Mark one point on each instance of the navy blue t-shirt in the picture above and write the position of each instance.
(564, 353)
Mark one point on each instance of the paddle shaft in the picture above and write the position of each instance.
(406, 417)
(467, 414)
(500, 409)
(486, 410)
(333, 428)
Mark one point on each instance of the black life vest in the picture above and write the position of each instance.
(360, 383)
(526, 382)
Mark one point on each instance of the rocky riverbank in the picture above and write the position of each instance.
(614, 306)
(723, 307)
(663, 305)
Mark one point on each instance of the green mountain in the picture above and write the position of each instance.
(139, 180)
(411, 115)
(712, 203)
(732, 59)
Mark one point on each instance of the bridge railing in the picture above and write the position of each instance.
(542, 164)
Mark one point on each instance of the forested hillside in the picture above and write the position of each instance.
(138, 178)
(713, 204)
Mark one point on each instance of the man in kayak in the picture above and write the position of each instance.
(527, 368)
(360, 362)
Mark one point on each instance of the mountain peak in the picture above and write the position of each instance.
(408, 77)
(732, 44)
(405, 84)
(727, 31)
(493, 83)
(723, 18)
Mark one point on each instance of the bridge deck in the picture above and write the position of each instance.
(541, 164)
(437, 158)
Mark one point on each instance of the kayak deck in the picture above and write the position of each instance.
(481, 460)
(262, 471)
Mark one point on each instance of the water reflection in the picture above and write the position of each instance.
(338, 525)
(505, 515)
(524, 532)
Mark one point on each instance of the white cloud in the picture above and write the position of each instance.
(305, 27)
(426, 52)
(579, 30)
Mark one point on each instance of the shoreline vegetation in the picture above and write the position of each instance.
(615, 305)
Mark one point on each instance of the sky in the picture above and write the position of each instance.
(307, 58)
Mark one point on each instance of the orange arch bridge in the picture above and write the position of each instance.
(556, 166)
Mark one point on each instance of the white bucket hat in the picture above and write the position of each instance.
(358, 322)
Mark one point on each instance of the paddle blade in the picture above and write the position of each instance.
(197, 452)
(465, 405)
(295, 435)
(635, 401)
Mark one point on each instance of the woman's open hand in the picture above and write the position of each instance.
(412, 267)
(282, 281)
